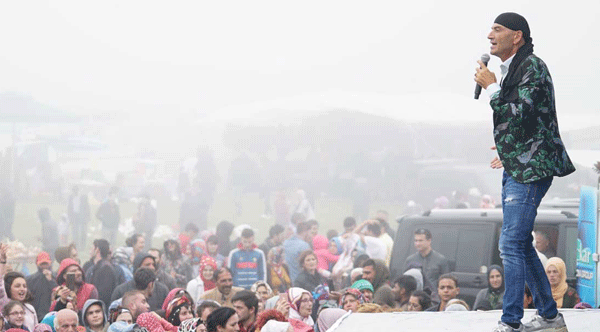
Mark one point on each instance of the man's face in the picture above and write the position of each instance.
(243, 312)
(278, 239)
(397, 291)
(224, 283)
(67, 324)
(94, 315)
(541, 243)
(73, 269)
(314, 229)
(421, 243)
(369, 273)
(207, 311)
(139, 245)
(156, 255)
(447, 290)
(93, 252)
(148, 262)
(503, 41)
(247, 242)
(44, 266)
(212, 247)
(139, 305)
(74, 254)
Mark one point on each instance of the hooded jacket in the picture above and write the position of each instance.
(85, 292)
(247, 266)
(86, 306)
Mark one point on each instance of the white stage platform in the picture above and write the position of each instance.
(480, 321)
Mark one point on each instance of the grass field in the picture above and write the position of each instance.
(330, 214)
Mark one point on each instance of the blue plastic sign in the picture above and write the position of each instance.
(587, 240)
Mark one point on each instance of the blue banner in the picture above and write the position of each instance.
(587, 240)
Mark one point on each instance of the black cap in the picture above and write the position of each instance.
(514, 22)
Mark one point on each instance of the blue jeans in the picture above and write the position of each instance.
(521, 262)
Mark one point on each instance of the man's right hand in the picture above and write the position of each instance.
(64, 293)
(48, 274)
(496, 163)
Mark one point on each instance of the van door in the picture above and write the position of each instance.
(474, 250)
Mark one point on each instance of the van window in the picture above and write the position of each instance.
(466, 246)
(571, 250)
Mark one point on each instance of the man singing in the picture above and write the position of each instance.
(532, 153)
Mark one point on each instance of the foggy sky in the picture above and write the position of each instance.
(197, 58)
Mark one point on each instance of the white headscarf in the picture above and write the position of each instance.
(275, 326)
(416, 273)
(294, 296)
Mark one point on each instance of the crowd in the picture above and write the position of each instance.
(297, 280)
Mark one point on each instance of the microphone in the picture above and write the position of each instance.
(485, 58)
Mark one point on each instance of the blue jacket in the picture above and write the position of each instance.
(293, 247)
(247, 266)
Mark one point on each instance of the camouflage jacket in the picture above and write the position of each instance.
(525, 126)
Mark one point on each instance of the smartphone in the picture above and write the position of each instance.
(70, 283)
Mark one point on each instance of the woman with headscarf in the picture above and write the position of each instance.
(174, 264)
(154, 323)
(192, 325)
(351, 299)
(173, 294)
(564, 295)
(263, 292)
(494, 293)
(179, 310)
(120, 314)
(197, 249)
(328, 317)
(301, 303)
(278, 274)
(309, 278)
(271, 315)
(365, 287)
(205, 281)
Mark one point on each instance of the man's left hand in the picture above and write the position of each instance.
(484, 76)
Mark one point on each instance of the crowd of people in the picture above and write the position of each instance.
(297, 280)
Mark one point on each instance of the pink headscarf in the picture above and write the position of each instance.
(153, 323)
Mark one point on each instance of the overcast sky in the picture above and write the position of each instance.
(199, 57)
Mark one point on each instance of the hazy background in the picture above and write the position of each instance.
(362, 94)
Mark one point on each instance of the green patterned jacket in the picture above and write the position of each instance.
(525, 126)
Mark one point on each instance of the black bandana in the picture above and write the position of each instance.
(514, 22)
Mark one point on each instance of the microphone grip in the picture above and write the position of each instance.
(477, 86)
